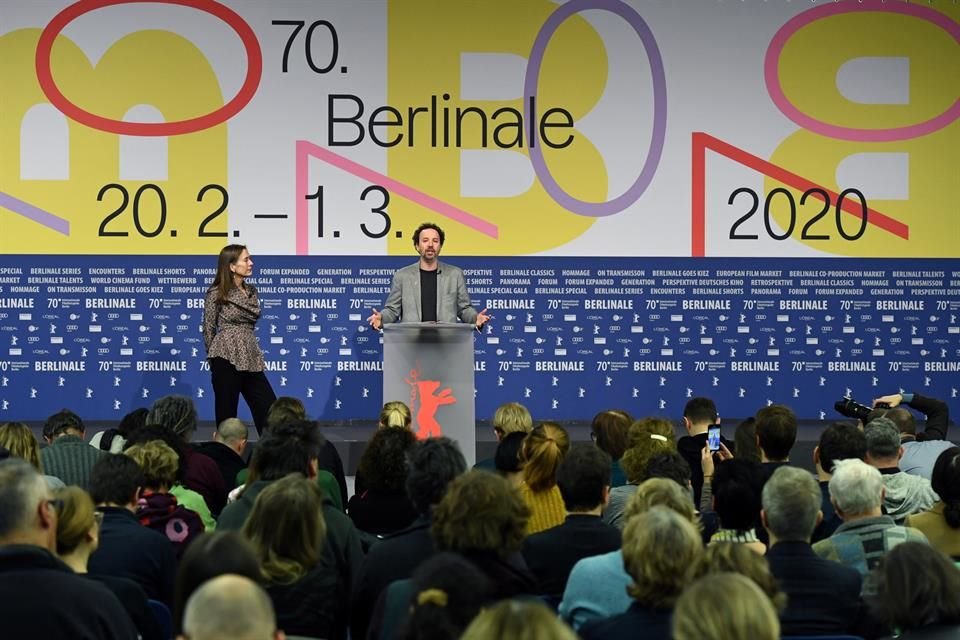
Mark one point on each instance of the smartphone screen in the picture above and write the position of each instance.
(713, 438)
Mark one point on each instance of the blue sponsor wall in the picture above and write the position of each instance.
(570, 336)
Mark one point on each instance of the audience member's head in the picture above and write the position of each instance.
(745, 440)
(507, 458)
(383, 464)
(917, 586)
(661, 492)
(232, 432)
(647, 437)
(230, 607)
(609, 430)
(176, 413)
(158, 462)
(698, 414)
(434, 463)
(63, 422)
(725, 606)
(791, 505)
(287, 528)
(946, 482)
(660, 576)
(839, 441)
(17, 438)
(285, 409)
(518, 620)
(900, 416)
(449, 592)
(288, 447)
(856, 489)
(721, 557)
(736, 494)
(584, 479)
(116, 481)
(395, 414)
(158, 432)
(27, 513)
(208, 556)
(669, 465)
(883, 443)
(776, 427)
(78, 529)
(542, 451)
(480, 511)
(511, 417)
(132, 421)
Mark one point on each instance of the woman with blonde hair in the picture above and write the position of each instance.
(78, 536)
(287, 529)
(647, 437)
(542, 451)
(725, 606)
(518, 620)
(662, 552)
(17, 438)
(739, 558)
(395, 414)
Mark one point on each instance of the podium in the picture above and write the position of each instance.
(429, 366)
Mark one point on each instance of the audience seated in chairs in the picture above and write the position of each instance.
(509, 418)
(158, 508)
(725, 606)
(647, 438)
(597, 587)
(839, 441)
(662, 552)
(209, 556)
(542, 451)
(736, 501)
(506, 460)
(434, 463)
(918, 593)
(380, 505)
(904, 493)
(230, 607)
(114, 440)
(226, 449)
(699, 414)
(18, 440)
(40, 596)
(608, 430)
(518, 620)
(68, 457)
(78, 535)
(941, 524)
(584, 481)
(287, 530)
(866, 535)
(823, 596)
(128, 549)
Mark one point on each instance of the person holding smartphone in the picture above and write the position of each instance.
(230, 313)
(699, 415)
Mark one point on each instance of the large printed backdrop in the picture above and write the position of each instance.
(656, 199)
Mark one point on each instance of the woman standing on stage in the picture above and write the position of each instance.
(230, 312)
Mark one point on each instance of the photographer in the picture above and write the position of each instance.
(920, 450)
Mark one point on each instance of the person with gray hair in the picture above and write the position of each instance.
(40, 596)
(905, 493)
(227, 448)
(823, 597)
(230, 607)
(200, 473)
(866, 535)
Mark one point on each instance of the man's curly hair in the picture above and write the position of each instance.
(383, 464)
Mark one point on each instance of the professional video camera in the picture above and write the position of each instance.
(852, 409)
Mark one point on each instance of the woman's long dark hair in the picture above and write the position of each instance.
(223, 281)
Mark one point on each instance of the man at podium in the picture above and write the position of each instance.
(429, 290)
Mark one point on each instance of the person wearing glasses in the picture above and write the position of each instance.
(40, 595)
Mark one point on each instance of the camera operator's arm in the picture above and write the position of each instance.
(935, 411)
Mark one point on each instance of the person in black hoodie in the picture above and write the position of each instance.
(699, 414)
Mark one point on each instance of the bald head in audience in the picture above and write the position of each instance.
(233, 433)
(230, 607)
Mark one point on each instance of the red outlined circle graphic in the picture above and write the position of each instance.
(250, 83)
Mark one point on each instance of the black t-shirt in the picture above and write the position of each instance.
(428, 296)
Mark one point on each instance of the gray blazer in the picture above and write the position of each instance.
(453, 301)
